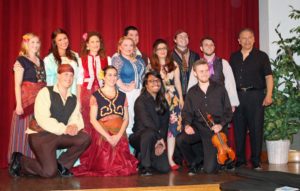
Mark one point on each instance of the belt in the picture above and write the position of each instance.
(246, 89)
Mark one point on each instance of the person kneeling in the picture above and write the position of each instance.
(150, 126)
(58, 125)
(206, 97)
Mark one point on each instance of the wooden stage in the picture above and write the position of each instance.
(174, 181)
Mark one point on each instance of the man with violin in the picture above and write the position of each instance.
(206, 111)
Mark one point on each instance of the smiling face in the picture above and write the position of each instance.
(134, 35)
(93, 44)
(34, 45)
(153, 85)
(246, 40)
(62, 41)
(161, 50)
(126, 47)
(182, 40)
(207, 47)
(202, 73)
(65, 79)
(111, 77)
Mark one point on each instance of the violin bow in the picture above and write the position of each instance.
(204, 119)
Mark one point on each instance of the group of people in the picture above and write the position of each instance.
(95, 115)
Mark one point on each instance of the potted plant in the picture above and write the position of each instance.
(282, 117)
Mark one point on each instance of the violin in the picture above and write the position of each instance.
(225, 154)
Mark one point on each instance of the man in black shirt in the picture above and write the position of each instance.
(150, 127)
(210, 98)
(252, 71)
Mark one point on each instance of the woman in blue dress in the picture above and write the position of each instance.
(131, 69)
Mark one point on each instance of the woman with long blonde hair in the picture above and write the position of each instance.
(29, 74)
(131, 70)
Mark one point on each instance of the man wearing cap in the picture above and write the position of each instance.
(58, 125)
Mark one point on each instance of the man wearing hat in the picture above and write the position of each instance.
(58, 125)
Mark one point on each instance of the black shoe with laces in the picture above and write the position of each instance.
(63, 171)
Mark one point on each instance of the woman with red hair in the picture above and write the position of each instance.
(162, 62)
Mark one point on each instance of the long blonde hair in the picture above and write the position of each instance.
(24, 45)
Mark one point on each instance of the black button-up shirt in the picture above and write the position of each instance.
(145, 116)
(215, 102)
(252, 71)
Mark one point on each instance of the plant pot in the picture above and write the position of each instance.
(278, 151)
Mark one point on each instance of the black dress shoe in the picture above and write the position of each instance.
(257, 167)
(192, 171)
(63, 171)
(15, 164)
(145, 171)
(230, 167)
(195, 168)
(240, 164)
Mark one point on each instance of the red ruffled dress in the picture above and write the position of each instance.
(101, 159)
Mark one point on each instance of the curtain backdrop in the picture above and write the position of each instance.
(220, 19)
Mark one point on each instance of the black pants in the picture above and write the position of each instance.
(249, 115)
(185, 142)
(44, 146)
(143, 142)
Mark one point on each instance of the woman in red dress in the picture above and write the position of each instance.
(108, 154)
(94, 60)
(30, 77)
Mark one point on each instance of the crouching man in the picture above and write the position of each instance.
(58, 125)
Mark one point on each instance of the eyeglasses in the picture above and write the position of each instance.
(153, 81)
(160, 49)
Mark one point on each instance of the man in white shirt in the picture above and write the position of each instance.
(58, 125)
(219, 69)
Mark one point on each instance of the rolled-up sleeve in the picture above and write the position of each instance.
(230, 84)
(43, 116)
(76, 118)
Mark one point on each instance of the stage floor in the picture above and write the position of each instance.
(173, 181)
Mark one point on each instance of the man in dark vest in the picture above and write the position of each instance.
(184, 58)
(219, 69)
(58, 125)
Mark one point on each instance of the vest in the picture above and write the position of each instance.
(145, 58)
(218, 75)
(108, 106)
(58, 110)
